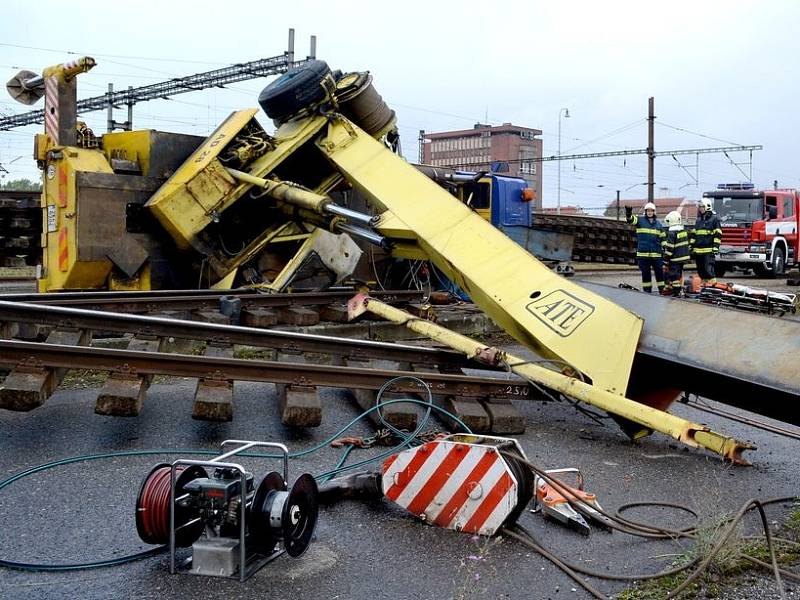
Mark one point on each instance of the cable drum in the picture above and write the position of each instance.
(360, 102)
(525, 482)
(152, 507)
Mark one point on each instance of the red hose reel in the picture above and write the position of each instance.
(233, 527)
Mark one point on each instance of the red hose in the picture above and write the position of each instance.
(153, 506)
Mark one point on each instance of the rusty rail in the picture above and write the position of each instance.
(286, 341)
(165, 300)
(40, 355)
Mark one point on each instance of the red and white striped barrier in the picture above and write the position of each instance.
(459, 482)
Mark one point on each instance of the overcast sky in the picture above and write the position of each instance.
(723, 69)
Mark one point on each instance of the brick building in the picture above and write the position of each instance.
(477, 148)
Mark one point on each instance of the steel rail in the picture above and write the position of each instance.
(292, 342)
(742, 419)
(40, 355)
(197, 299)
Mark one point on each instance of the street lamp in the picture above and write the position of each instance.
(565, 112)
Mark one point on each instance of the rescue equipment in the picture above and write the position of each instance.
(233, 527)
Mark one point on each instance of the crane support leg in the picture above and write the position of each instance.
(691, 434)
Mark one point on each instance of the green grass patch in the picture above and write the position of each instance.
(78, 379)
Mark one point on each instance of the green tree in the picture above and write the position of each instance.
(21, 185)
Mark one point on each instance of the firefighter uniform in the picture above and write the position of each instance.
(705, 240)
(676, 255)
(650, 238)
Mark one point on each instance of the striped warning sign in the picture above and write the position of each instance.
(51, 108)
(63, 249)
(62, 186)
(461, 486)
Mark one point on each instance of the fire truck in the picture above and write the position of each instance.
(759, 228)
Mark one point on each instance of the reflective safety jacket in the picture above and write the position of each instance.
(707, 234)
(650, 236)
(676, 247)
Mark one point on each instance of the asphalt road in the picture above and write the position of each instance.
(85, 512)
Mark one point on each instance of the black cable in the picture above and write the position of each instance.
(639, 529)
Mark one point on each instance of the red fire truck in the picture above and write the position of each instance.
(759, 228)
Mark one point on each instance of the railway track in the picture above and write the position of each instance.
(300, 364)
(194, 300)
(20, 229)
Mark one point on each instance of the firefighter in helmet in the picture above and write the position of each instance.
(676, 253)
(650, 237)
(705, 241)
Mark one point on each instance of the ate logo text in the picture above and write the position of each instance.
(560, 311)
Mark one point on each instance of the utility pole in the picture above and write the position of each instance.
(565, 112)
(651, 153)
(421, 150)
(617, 205)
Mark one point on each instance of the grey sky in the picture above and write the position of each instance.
(723, 69)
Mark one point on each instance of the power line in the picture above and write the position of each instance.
(217, 78)
(72, 52)
(612, 133)
(635, 152)
(702, 135)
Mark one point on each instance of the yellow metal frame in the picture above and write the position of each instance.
(60, 268)
(549, 314)
(202, 188)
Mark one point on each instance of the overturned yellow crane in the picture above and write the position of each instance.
(147, 210)
(335, 133)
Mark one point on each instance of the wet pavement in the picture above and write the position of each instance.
(85, 511)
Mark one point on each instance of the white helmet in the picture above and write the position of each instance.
(649, 206)
(673, 218)
(705, 204)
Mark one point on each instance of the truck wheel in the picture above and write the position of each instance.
(294, 90)
(778, 262)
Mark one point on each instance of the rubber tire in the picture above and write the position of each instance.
(778, 263)
(294, 90)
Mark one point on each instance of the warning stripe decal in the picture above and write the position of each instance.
(438, 479)
(62, 186)
(412, 482)
(51, 108)
(484, 486)
(389, 461)
(406, 475)
(63, 249)
(466, 487)
(461, 494)
(490, 502)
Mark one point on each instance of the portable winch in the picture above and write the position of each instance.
(233, 527)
